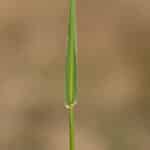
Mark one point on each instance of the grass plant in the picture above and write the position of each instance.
(71, 71)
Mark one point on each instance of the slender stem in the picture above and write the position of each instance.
(71, 129)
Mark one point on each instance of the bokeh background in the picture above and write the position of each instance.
(114, 75)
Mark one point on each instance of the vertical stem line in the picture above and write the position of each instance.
(71, 129)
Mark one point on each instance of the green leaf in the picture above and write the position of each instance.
(71, 58)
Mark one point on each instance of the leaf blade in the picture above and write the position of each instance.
(71, 62)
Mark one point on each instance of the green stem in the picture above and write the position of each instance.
(71, 129)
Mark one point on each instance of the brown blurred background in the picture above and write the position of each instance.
(114, 75)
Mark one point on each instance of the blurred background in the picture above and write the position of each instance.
(114, 75)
